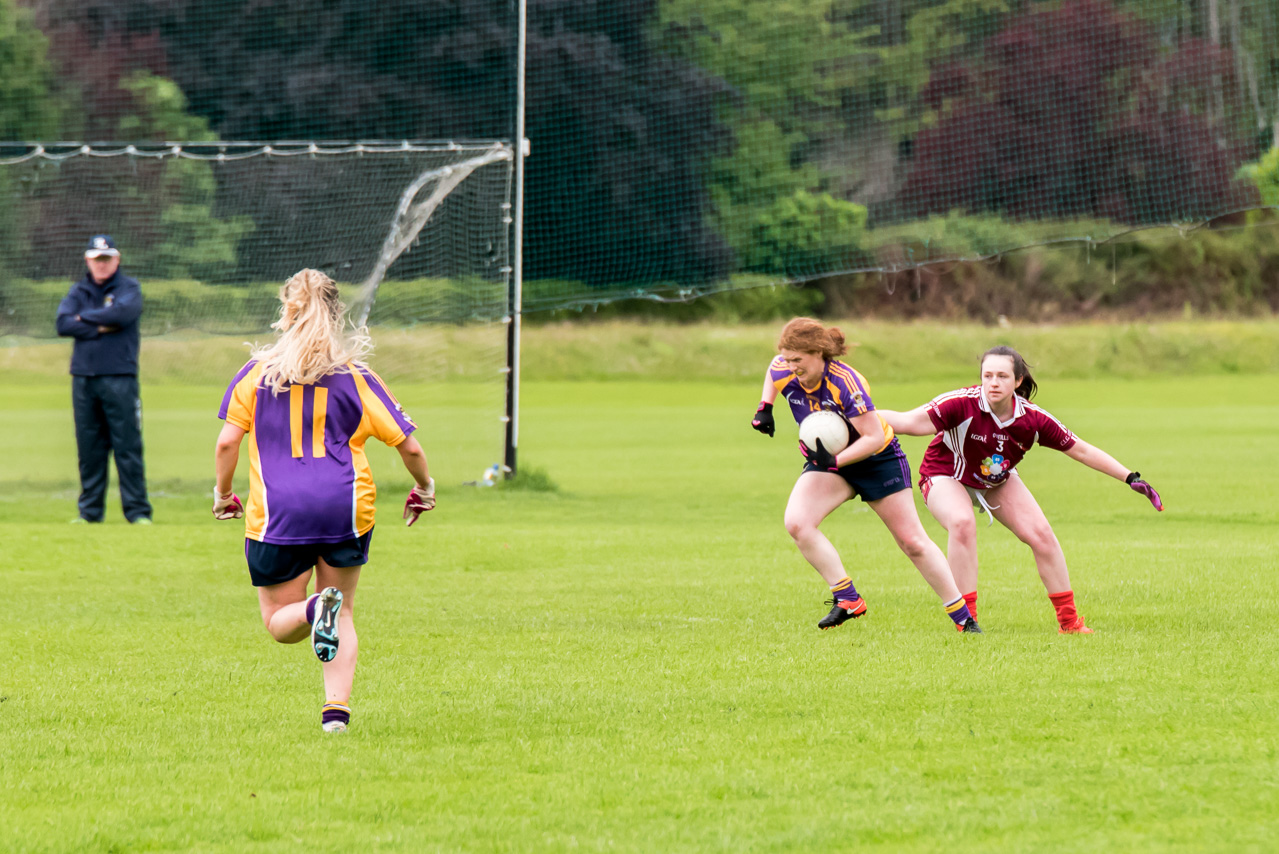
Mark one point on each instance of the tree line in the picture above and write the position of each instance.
(683, 140)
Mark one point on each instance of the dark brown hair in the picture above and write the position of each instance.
(805, 335)
(1026, 385)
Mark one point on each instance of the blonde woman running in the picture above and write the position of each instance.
(308, 404)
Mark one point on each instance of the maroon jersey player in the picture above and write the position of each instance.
(982, 434)
(809, 375)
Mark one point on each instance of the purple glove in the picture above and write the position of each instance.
(821, 458)
(1138, 485)
(419, 501)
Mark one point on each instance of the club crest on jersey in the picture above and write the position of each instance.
(109, 301)
(994, 466)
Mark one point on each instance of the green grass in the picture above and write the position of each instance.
(631, 662)
(641, 350)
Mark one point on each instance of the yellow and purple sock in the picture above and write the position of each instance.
(310, 607)
(958, 611)
(335, 712)
(845, 591)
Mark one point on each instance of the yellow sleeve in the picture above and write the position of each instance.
(244, 400)
(383, 424)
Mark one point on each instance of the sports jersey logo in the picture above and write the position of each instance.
(109, 301)
(994, 467)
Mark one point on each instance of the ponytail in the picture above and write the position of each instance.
(1026, 385)
(309, 342)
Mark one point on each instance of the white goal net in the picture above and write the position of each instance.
(415, 233)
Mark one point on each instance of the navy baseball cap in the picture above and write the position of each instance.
(99, 245)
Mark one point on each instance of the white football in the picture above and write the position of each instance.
(827, 426)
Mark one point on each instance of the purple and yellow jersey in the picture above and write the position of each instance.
(841, 388)
(309, 480)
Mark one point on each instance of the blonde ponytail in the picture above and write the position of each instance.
(309, 340)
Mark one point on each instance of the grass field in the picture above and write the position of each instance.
(631, 663)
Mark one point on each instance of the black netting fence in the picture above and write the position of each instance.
(678, 147)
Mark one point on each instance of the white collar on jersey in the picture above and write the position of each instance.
(1019, 408)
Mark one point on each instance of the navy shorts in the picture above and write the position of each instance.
(876, 477)
(275, 564)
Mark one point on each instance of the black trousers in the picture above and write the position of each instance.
(108, 419)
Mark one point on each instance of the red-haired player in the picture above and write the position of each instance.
(808, 374)
(982, 433)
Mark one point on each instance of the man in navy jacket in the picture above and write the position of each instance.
(101, 312)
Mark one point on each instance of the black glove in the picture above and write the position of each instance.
(763, 421)
(821, 458)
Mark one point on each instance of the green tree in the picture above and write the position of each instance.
(28, 109)
(807, 234)
(160, 111)
(790, 64)
(189, 240)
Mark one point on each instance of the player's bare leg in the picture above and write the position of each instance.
(283, 608)
(1016, 509)
(815, 496)
(902, 520)
(339, 674)
(900, 517)
(950, 505)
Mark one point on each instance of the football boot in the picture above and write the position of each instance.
(324, 627)
(843, 611)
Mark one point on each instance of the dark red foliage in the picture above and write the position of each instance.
(90, 62)
(1078, 111)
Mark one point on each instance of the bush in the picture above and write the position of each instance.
(805, 233)
(1265, 174)
(1227, 271)
(746, 299)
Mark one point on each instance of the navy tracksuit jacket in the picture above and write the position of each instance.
(104, 390)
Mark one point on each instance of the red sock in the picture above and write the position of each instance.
(1065, 604)
(971, 600)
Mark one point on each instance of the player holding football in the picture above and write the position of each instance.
(808, 375)
(982, 433)
(308, 404)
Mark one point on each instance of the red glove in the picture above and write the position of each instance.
(227, 506)
(419, 501)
